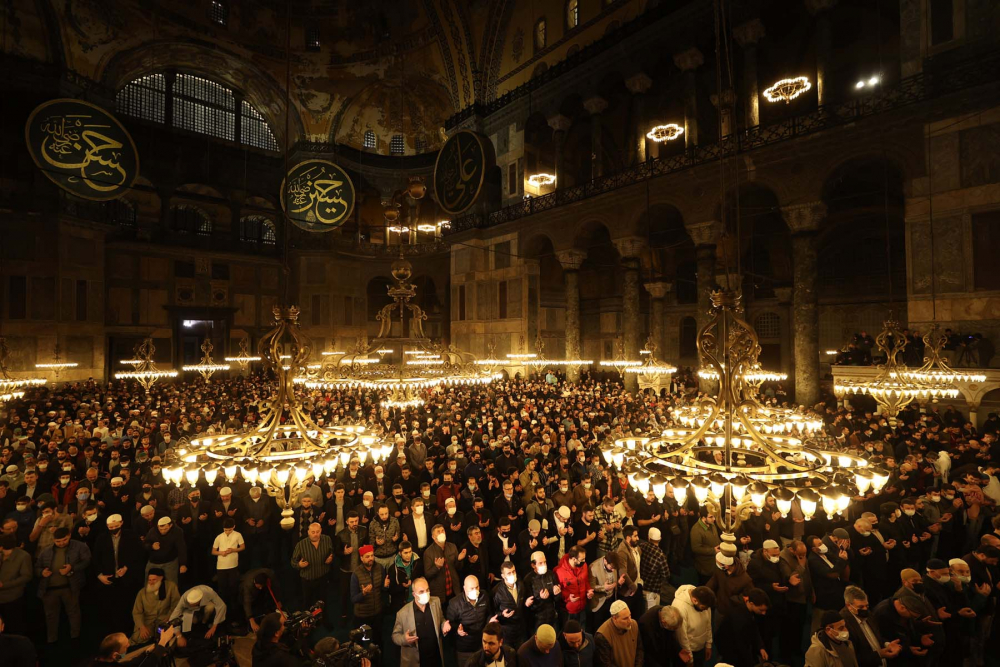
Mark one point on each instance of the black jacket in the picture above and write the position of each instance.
(737, 638)
(473, 618)
(660, 646)
(130, 554)
(509, 657)
(866, 655)
(503, 601)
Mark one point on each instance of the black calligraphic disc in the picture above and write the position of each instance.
(318, 196)
(82, 148)
(460, 171)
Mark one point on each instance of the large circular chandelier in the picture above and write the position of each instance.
(12, 388)
(668, 132)
(652, 368)
(287, 447)
(401, 366)
(731, 451)
(895, 385)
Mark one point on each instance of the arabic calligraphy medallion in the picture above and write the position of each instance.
(461, 169)
(318, 196)
(82, 148)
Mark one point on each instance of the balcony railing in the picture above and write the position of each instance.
(932, 83)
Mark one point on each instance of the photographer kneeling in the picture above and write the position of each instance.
(269, 650)
(113, 649)
(199, 613)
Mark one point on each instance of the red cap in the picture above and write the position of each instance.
(367, 549)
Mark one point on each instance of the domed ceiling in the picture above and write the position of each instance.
(395, 67)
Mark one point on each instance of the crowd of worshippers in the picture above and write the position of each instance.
(493, 534)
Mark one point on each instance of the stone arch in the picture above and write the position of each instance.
(756, 234)
(861, 244)
(213, 61)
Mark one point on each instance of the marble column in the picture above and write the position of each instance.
(638, 84)
(687, 62)
(657, 326)
(629, 249)
(820, 9)
(571, 261)
(560, 126)
(747, 35)
(595, 106)
(705, 236)
(803, 221)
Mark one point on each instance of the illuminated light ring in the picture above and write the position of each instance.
(242, 359)
(426, 228)
(538, 180)
(668, 132)
(138, 375)
(620, 363)
(60, 365)
(206, 367)
(648, 369)
(787, 90)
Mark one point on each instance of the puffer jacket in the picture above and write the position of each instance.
(574, 582)
(473, 617)
(695, 632)
(388, 532)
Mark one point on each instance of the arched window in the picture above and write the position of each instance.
(539, 35)
(218, 12)
(767, 325)
(190, 220)
(369, 139)
(572, 14)
(121, 212)
(258, 229)
(198, 105)
(420, 145)
(689, 338)
(396, 144)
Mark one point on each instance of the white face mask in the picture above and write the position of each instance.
(542, 569)
(823, 548)
(864, 533)
(451, 511)
(774, 559)
(472, 595)
(366, 503)
(441, 539)
(91, 519)
(843, 636)
(965, 579)
(510, 581)
(943, 579)
(909, 512)
(427, 494)
(418, 510)
(423, 598)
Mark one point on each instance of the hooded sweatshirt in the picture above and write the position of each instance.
(695, 633)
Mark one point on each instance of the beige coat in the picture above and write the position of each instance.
(405, 622)
(149, 610)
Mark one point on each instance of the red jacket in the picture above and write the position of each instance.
(65, 495)
(574, 582)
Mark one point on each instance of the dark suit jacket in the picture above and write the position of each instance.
(866, 655)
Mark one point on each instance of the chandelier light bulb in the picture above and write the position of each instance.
(668, 132)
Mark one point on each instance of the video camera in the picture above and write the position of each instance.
(360, 652)
(304, 620)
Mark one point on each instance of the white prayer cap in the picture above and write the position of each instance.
(114, 518)
(654, 534)
(770, 544)
(194, 596)
(618, 606)
(164, 521)
(119, 480)
(723, 559)
(225, 491)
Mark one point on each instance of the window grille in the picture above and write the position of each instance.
(396, 144)
(257, 229)
(144, 98)
(767, 325)
(369, 139)
(191, 220)
(572, 14)
(312, 38)
(218, 12)
(255, 130)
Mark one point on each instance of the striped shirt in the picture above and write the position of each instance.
(314, 555)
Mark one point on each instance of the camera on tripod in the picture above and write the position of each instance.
(304, 621)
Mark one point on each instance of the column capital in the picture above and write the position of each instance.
(817, 6)
(804, 217)
(704, 233)
(749, 33)
(571, 259)
(595, 105)
(659, 289)
(559, 122)
(689, 60)
(630, 247)
(638, 83)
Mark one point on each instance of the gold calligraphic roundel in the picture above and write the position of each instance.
(461, 169)
(318, 196)
(82, 148)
